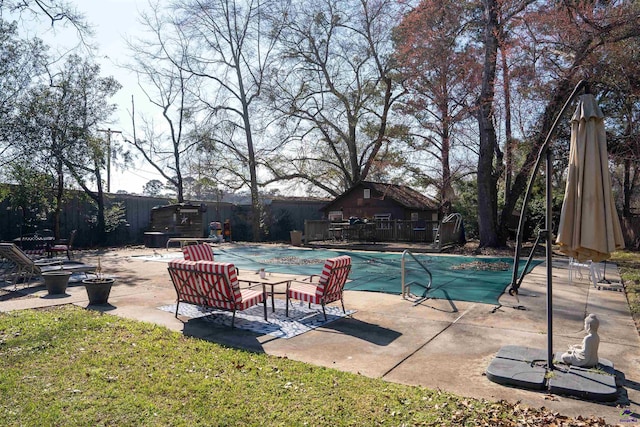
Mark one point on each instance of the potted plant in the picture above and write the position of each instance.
(56, 281)
(99, 287)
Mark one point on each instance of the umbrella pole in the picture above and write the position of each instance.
(548, 253)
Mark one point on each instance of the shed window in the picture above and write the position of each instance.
(367, 193)
(335, 216)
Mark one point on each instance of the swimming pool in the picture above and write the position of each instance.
(458, 278)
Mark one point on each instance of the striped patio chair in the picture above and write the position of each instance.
(186, 282)
(201, 252)
(328, 288)
(213, 285)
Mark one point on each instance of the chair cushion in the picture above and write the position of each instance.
(188, 285)
(249, 298)
(202, 252)
(222, 284)
(330, 285)
(211, 284)
(304, 292)
(333, 278)
(34, 252)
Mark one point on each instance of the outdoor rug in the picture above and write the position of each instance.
(301, 319)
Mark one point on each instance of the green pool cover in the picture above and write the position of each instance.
(457, 278)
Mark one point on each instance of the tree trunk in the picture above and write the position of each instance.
(446, 190)
(626, 205)
(256, 205)
(487, 182)
(562, 92)
(508, 156)
(59, 198)
(521, 180)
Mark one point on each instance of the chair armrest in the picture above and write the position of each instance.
(307, 279)
(254, 285)
(303, 282)
(250, 282)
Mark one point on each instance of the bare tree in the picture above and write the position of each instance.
(335, 90)
(439, 64)
(229, 52)
(620, 88)
(565, 43)
(54, 11)
(159, 61)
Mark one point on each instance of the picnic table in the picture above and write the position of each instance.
(35, 244)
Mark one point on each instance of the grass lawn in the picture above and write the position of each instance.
(69, 366)
(629, 267)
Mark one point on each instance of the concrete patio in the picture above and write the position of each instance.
(437, 344)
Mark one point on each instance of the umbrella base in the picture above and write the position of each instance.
(603, 286)
(525, 367)
(521, 367)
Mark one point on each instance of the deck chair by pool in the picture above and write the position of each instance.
(327, 288)
(25, 268)
(213, 285)
(64, 245)
(201, 252)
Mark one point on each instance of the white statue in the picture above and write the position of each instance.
(585, 355)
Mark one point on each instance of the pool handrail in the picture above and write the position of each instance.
(406, 287)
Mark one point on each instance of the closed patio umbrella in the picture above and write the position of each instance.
(589, 226)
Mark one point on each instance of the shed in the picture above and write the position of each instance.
(374, 200)
(177, 220)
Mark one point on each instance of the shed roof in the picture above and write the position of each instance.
(401, 194)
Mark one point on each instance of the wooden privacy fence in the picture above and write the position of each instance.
(279, 218)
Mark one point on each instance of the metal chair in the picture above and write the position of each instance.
(201, 252)
(329, 287)
(213, 285)
(64, 245)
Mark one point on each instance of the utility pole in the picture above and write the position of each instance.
(109, 131)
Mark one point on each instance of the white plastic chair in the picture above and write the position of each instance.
(594, 268)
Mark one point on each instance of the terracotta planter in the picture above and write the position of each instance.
(56, 281)
(98, 290)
